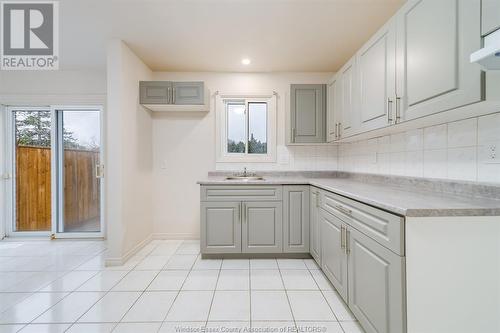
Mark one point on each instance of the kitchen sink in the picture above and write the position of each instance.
(244, 178)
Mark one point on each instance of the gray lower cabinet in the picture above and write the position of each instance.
(296, 218)
(314, 230)
(376, 282)
(308, 113)
(262, 225)
(333, 251)
(221, 227)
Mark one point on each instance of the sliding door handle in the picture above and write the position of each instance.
(99, 171)
(389, 111)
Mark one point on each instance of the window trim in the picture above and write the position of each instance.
(222, 130)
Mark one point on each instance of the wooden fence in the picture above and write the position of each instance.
(33, 188)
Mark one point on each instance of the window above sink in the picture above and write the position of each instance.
(246, 128)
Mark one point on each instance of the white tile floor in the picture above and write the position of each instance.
(63, 286)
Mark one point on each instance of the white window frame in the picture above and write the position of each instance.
(221, 128)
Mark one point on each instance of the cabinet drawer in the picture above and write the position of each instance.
(385, 228)
(241, 192)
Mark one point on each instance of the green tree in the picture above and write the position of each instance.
(256, 146)
(233, 147)
(33, 129)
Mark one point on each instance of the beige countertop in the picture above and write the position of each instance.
(404, 201)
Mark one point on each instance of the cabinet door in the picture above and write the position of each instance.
(332, 109)
(347, 74)
(376, 65)
(155, 92)
(220, 227)
(490, 16)
(307, 108)
(333, 256)
(375, 284)
(262, 227)
(296, 219)
(314, 242)
(188, 93)
(435, 40)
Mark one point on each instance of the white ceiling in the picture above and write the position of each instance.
(214, 35)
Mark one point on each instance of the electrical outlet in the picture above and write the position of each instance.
(492, 156)
(163, 164)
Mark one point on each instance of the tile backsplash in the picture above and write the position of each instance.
(463, 150)
(308, 158)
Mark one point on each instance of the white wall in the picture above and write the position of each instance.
(52, 87)
(184, 147)
(128, 167)
(458, 150)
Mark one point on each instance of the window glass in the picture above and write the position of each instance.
(236, 128)
(257, 128)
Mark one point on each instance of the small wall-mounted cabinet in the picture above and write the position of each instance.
(307, 113)
(173, 96)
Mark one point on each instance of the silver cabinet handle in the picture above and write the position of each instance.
(347, 241)
(294, 134)
(389, 111)
(398, 109)
(342, 236)
(340, 130)
(336, 130)
(168, 95)
(173, 95)
(343, 209)
(244, 213)
(239, 212)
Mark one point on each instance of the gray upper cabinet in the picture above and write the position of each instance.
(333, 110)
(188, 93)
(490, 16)
(314, 231)
(262, 225)
(173, 96)
(296, 218)
(308, 113)
(441, 35)
(333, 253)
(155, 92)
(376, 65)
(376, 285)
(347, 98)
(220, 227)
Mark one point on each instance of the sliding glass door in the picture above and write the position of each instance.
(56, 181)
(31, 151)
(79, 171)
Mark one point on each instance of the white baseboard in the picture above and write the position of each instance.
(173, 235)
(123, 259)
